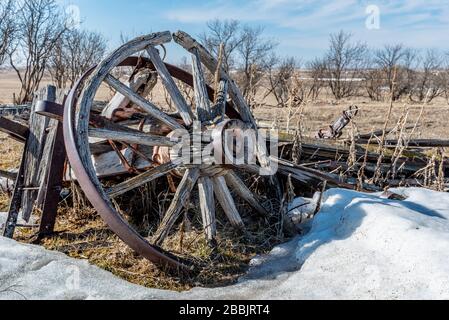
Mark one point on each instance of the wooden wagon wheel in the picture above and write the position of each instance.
(81, 124)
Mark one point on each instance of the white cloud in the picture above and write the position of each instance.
(417, 23)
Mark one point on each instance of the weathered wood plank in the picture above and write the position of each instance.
(37, 152)
(15, 130)
(207, 205)
(109, 164)
(226, 201)
(141, 102)
(179, 202)
(171, 87)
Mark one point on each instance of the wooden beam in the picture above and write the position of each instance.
(15, 130)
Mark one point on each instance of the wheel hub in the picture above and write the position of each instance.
(229, 143)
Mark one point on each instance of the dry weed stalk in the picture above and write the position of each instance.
(352, 159)
(400, 145)
(419, 119)
(361, 173)
(381, 149)
(441, 175)
(296, 105)
(297, 145)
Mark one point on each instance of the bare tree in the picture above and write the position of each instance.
(226, 32)
(74, 53)
(254, 52)
(244, 50)
(445, 77)
(388, 59)
(317, 69)
(7, 27)
(40, 26)
(280, 73)
(428, 83)
(344, 63)
(406, 74)
(397, 62)
(373, 79)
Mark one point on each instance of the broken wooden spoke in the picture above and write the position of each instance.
(219, 109)
(239, 187)
(224, 196)
(199, 84)
(179, 202)
(188, 43)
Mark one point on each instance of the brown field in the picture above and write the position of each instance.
(314, 116)
(83, 235)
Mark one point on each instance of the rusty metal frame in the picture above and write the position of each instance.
(335, 131)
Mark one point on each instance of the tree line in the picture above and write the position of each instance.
(37, 37)
(348, 68)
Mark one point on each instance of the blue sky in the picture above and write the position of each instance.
(301, 27)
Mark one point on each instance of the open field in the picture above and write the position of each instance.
(319, 115)
(315, 115)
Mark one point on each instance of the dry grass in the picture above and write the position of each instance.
(320, 114)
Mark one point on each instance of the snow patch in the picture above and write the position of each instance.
(360, 246)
